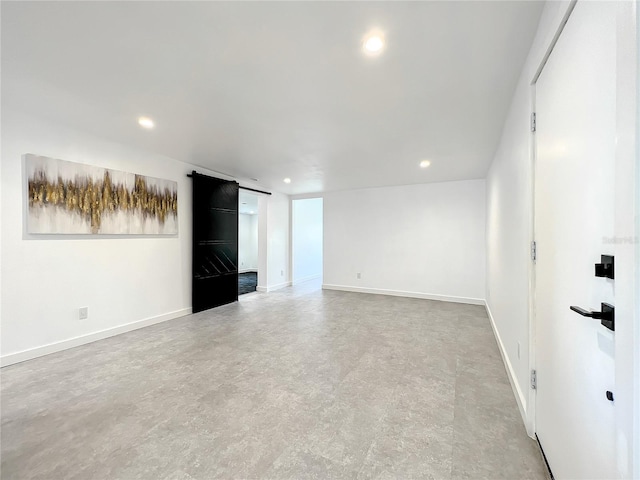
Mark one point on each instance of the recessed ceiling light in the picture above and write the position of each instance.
(425, 163)
(251, 212)
(373, 44)
(145, 122)
(287, 180)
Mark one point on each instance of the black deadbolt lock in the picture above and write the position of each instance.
(605, 267)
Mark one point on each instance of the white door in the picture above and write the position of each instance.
(574, 218)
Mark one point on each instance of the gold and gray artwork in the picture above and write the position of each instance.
(73, 198)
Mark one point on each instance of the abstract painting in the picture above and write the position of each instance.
(73, 198)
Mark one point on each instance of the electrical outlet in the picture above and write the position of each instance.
(518, 350)
(358, 275)
(83, 313)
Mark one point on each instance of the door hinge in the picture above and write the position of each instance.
(533, 121)
(534, 380)
(534, 251)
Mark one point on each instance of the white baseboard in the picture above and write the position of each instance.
(306, 279)
(517, 391)
(31, 353)
(271, 288)
(400, 293)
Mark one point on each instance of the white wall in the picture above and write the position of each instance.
(509, 220)
(627, 254)
(123, 280)
(263, 244)
(277, 215)
(307, 239)
(426, 241)
(247, 242)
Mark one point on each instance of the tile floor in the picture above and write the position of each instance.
(298, 383)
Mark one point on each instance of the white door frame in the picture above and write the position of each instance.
(263, 245)
(627, 229)
(531, 400)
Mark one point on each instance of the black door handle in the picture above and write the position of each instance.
(607, 315)
(586, 313)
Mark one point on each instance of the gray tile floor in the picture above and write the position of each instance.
(299, 383)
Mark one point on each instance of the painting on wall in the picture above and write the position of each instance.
(73, 198)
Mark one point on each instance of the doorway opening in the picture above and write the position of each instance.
(307, 218)
(248, 251)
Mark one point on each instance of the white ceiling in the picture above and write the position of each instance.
(269, 90)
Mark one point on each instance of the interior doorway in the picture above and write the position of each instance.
(248, 251)
(307, 218)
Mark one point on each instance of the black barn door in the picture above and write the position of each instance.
(215, 242)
